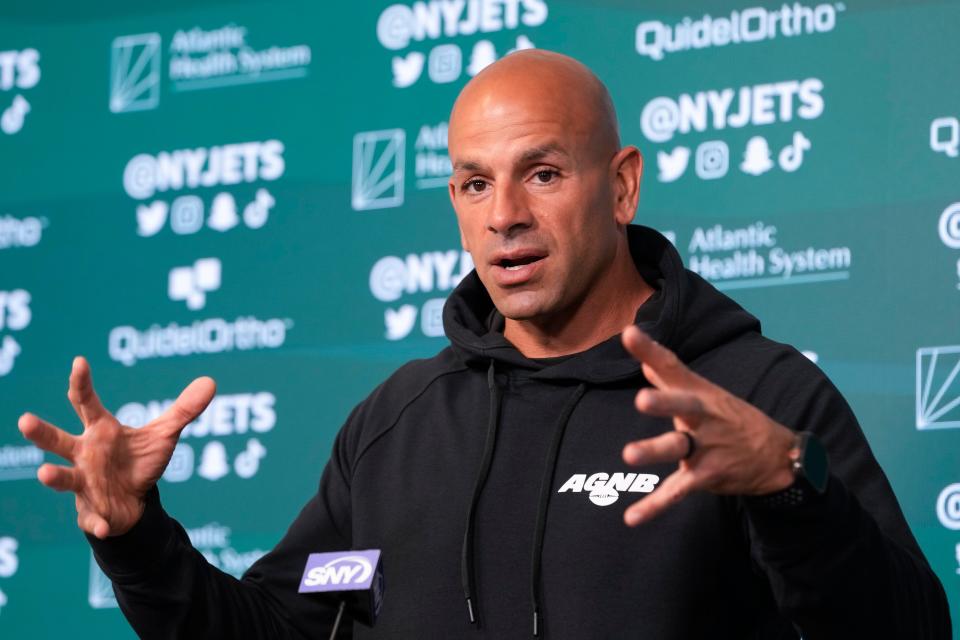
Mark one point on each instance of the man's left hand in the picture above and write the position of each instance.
(730, 447)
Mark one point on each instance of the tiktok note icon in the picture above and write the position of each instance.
(791, 157)
(12, 119)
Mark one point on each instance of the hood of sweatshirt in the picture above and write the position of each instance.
(672, 316)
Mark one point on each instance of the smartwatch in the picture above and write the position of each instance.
(811, 471)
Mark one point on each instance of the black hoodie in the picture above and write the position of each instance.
(488, 476)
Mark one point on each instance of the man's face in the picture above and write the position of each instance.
(533, 196)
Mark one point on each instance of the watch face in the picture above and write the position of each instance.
(815, 466)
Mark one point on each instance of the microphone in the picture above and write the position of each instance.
(355, 578)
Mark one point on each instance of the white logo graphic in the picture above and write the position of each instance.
(8, 557)
(756, 157)
(135, 73)
(604, 489)
(948, 506)
(180, 467)
(213, 461)
(949, 226)
(8, 563)
(9, 350)
(19, 462)
(256, 213)
(391, 276)
(343, 570)
(207, 59)
(15, 315)
(130, 345)
(483, 55)
(432, 165)
(407, 69)
(13, 116)
(223, 213)
(398, 24)
(713, 158)
(431, 318)
(247, 462)
(755, 24)
(937, 376)
(21, 70)
(15, 312)
(100, 594)
(225, 165)
(748, 257)
(378, 169)
(945, 136)
(227, 414)
(186, 215)
(958, 558)
(445, 63)
(192, 283)
(399, 322)
(756, 105)
(26, 232)
(151, 218)
(791, 156)
(673, 164)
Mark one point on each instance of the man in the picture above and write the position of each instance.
(487, 474)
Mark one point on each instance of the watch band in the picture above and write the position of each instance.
(808, 461)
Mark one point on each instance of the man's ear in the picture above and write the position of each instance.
(627, 166)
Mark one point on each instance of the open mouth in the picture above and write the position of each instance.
(515, 264)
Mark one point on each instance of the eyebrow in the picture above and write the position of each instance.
(527, 157)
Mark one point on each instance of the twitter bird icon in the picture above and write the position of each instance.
(673, 164)
(399, 322)
(407, 69)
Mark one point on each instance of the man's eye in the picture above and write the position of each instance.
(476, 186)
(546, 175)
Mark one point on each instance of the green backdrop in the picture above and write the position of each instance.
(255, 191)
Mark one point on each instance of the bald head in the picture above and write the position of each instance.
(543, 82)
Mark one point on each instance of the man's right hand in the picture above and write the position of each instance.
(113, 465)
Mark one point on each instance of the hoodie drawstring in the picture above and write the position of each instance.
(546, 490)
(467, 570)
(466, 556)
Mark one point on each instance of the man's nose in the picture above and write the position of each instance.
(510, 211)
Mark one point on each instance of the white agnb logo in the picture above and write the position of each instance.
(938, 387)
(192, 283)
(605, 489)
(378, 169)
(135, 73)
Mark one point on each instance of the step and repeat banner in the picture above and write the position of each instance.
(257, 192)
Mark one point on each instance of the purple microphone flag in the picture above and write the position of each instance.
(340, 571)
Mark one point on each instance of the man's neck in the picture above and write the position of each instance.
(605, 311)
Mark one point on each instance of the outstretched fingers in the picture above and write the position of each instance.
(189, 404)
(660, 365)
(60, 478)
(47, 437)
(81, 394)
(675, 488)
(667, 447)
(93, 523)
